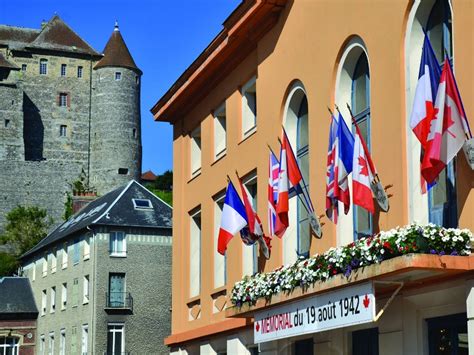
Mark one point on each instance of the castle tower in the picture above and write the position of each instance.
(116, 150)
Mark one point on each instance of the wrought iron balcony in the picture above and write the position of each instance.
(119, 301)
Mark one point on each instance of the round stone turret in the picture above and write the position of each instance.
(116, 150)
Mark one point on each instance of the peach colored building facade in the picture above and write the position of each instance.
(283, 62)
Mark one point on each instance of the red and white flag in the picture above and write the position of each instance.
(447, 130)
(362, 174)
(289, 175)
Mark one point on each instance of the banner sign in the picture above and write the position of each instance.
(337, 309)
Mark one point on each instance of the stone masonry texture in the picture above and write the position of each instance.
(44, 146)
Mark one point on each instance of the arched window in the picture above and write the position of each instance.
(439, 204)
(353, 88)
(297, 237)
(360, 106)
(302, 148)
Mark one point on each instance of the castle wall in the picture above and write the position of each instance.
(44, 146)
(38, 183)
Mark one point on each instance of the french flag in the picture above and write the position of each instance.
(273, 166)
(234, 218)
(448, 129)
(423, 110)
(363, 171)
(343, 163)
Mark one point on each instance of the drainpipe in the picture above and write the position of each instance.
(90, 120)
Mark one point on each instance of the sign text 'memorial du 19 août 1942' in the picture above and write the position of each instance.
(345, 307)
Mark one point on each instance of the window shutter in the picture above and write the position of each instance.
(68, 99)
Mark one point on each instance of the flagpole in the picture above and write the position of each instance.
(309, 207)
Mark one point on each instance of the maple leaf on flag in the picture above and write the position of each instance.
(363, 164)
(448, 121)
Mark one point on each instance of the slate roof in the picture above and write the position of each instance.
(17, 37)
(55, 35)
(4, 63)
(115, 208)
(116, 53)
(16, 298)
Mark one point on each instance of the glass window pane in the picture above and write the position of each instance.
(118, 343)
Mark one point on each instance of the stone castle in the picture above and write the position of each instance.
(65, 108)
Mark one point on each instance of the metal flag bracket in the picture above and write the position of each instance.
(394, 294)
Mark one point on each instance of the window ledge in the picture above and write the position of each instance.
(86, 257)
(118, 255)
(218, 157)
(193, 300)
(248, 134)
(195, 176)
(218, 291)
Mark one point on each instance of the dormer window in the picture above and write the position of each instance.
(142, 204)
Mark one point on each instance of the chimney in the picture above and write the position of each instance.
(81, 200)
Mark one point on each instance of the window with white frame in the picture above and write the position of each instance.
(63, 99)
(33, 272)
(118, 75)
(63, 130)
(23, 67)
(42, 345)
(87, 247)
(250, 252)
(195, 253)
(76, 252)
(75, 292)
(51, 344)
(118, 244)
(63, 69)
(73, 339)
(79, 71)
(196, 152)
(249, 107)
(85, 339)
(220, 261)
(296, 241)
(115, 338)
(43, 302)
(53, 300)
(9, 345)
(65, 256)
(64, 295)
(45, 266)
(220, 132)
(43, 68)
(53, 261)
(85, 292)
(62, 342)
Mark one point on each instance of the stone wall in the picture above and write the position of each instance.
(44, 145)
(36, 183)
(116, 141)
(147, 269)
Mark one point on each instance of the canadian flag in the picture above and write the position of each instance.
(362, 174)
(447, 134)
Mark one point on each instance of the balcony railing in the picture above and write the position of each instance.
(119, 300)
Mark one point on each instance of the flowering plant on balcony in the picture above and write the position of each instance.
(414, 238)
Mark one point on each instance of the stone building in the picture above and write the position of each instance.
(102, 279)
(18, 314)
(64, 108)
(283, 63)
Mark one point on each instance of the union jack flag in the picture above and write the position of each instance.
(331, 186)
(273, 167)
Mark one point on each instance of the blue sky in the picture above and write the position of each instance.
(163, 36)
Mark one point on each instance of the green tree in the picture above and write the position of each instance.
(8, 264)
(164, 182)
(25, 227)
